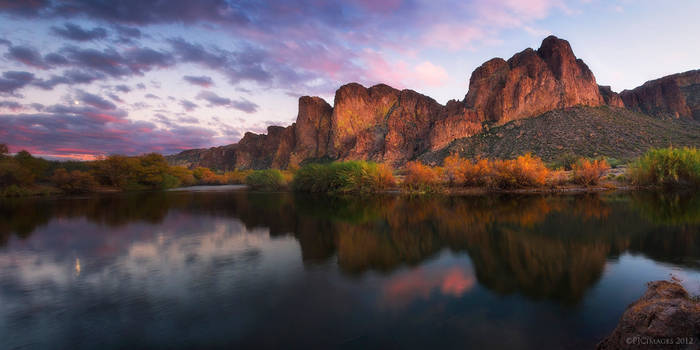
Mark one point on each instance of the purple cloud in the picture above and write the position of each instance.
(188, 105)
(95, 101)
(218, 101)
(203, 81)
(72, 31)
(26, 55)
(69, 77)
(11, 81)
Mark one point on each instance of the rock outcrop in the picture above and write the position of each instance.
(663, 318)
(531, 83)
(676, 96)
(384, 124)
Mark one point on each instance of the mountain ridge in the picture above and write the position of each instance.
(384, 124)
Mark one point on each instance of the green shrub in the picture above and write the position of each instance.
(668, 167)
(266, 180)
(343, 177)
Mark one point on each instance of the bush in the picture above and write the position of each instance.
(566, 160)
(670, 167)
(588, 172)
(463, 172)
(74, 182)
(236, 176)
(524, 171)
(266, 180)
(343, 177)
(422, 178)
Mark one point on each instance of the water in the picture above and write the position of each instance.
(234, 269)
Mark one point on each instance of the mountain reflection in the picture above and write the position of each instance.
(550, 247)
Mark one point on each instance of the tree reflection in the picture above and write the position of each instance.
(552, 247)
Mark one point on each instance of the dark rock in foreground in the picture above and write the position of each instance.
(665, 317)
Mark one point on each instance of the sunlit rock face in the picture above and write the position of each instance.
(676, 96)
(531, 83)
(381, 123)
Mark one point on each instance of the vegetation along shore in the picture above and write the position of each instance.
(23, 175)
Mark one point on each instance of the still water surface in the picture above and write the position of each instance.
(236, 269)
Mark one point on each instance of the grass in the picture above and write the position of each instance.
(266, 180)
(667, 167)
(343, 177)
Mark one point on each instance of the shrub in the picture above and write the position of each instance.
(557, 178)
(566, 160)
(422, 178)
(236, 176)
(524, 171)
(266, 180)
(674, 167)
(74, 182)
(343, 177)
(463, 172)
(588, 172)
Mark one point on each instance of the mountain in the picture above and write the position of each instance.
(384, 124)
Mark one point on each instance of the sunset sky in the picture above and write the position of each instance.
(85, 78)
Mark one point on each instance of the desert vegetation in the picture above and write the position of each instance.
(266, 180)
(22, 174)
(343, 177)
(667, 167)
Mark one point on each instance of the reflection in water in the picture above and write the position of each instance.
(137, 269)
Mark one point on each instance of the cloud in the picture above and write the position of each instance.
(203, 81)
(188, 105)
(218, 101)
(11, 81)
(26, 55)
(214, 99)
(95, 101)
(72, 31)
(245, 106)
(11, 105)
(134, 61)
(122, 88)
(69, 77)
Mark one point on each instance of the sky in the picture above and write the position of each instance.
(80, 79)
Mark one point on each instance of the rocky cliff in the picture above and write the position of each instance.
(384, 124)
(676, 96)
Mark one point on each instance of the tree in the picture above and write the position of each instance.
(36, 166)
(3, 150)
(74, 182)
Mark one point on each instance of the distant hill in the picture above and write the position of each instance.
(549, 84)
(585, 131)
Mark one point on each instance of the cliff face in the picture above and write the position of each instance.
(676, 96)
(384, 124)
(531, 83)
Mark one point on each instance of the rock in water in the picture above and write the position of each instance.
(665, 317)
